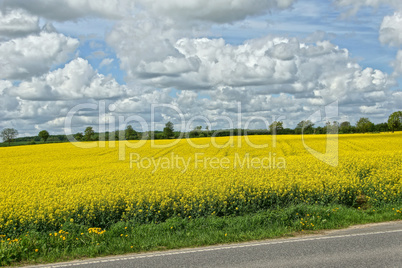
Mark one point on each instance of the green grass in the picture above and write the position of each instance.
(21, 143)
(127, 237)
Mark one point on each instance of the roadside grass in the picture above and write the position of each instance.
(76, 241)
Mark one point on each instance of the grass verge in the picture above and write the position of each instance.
(76, 241)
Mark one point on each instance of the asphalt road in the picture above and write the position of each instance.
(374, 245)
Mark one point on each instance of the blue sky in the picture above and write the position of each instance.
(281, 58)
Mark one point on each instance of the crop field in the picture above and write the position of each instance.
(43, 186)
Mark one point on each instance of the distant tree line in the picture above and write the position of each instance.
(363, 125)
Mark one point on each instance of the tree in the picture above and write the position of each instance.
(168, 131)
(332, 129)
(364, 125)
(345, 127)
(196, 132)
(8, 134)
(381, 127)
(79, 136)
(89, 132)
(320, 130)
(207, 132)
(54, 139)
(276, 127)
(44, 135)
(130, 133)
(305, 126)
(395, 121)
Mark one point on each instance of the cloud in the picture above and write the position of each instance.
(34, 55)
(4, 84)
(64, 10)
(397, 64)
(141, 103)
(353, 6)
(397, 98)
(305, 76)
(105, 62)
(171, 66)
(391, 30)
(206, 63)
(272, 64)
(158, 26)
(17, 23)
(225, 11)
(77, 80)
(169, 57)
(377, 109)
(7, 102)
(154, 40)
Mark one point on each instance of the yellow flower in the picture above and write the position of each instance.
(204, 188)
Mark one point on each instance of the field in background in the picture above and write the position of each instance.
(44, 186)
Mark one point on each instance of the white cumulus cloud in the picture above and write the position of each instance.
(224, 11)
(64, 10)
(17, 22)
(391, 30)
(77, 80)
(34, 55)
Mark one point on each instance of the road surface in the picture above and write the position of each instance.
(373, 245)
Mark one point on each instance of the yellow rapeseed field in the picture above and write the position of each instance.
(42, 186)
